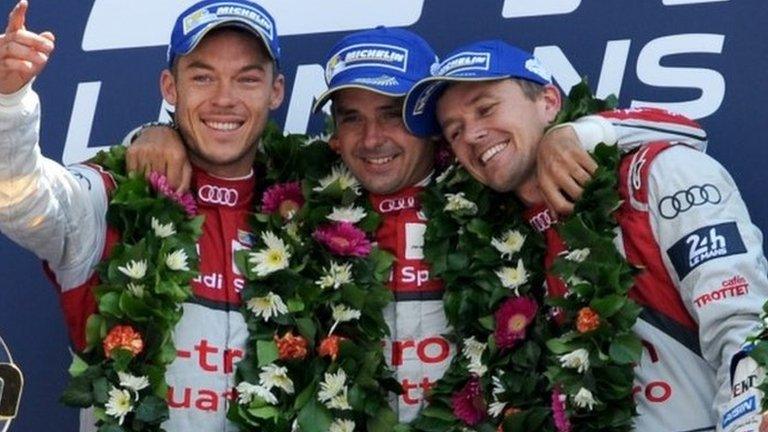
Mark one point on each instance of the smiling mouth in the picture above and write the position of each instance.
(489, 154)
(223, 126)
(379, 160)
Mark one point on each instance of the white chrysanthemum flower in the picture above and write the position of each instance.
(510, 243)
(268, 306)
(332, 385)
(342, 313)
(577, 255)
(473, 349)
(341, 174)
(340, 401)
(335, 276)
(136, 290)
(495, 408)
(177, 260)
(247, 391)
(162, 230)
(272, 258)
(513, 277)
(351, 214)
(446, 172)
(119, 404)
(134, 269)
(132, 382)
(458, 204)
(578, 359)
(498, 386)
(584, 399)
(342, 425)
(273, 375)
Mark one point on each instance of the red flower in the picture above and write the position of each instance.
(290, 347)
(284, 198)
(558, 411)
(123, 337)
(468, 403)
(330, 346)
(160, 184)
(512, 318)
(344, 239)
(587, 320)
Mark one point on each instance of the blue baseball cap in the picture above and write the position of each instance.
(488, 60)
(202, 17)
(384, 60)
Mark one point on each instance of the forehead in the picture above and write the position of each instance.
(361, 98)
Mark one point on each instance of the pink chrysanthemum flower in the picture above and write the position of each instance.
(468, 403)
(344, 239)
(512, 319)
(160, 183)
(284, 198)
(562, 424)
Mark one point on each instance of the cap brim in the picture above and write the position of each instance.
(419, 109)
(233, 22)
(397, 91)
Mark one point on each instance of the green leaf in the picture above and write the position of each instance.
(487, 322)
(152, 409)
(78, 366)
(101, 390)
(384, 420)
(608, 305)
(264, 412)
(266, 351)
(314, 417)
(306, 328)
(626, 349)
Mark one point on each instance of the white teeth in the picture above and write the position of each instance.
(491, 152)
(223, 126)
(379, 161)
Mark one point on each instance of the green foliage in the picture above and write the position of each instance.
(150, 303)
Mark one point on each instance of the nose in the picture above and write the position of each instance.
(224, 95)
(372, 134)
(475, 133)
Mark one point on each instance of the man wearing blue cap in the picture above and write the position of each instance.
(681, 218)
(223, 80)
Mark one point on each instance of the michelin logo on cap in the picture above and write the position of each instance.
(465, 62)
(534, 66)
(204, 16)
(367, 55)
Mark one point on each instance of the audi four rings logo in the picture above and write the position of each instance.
(683, 200)
(542, 221)
(396, 204)
(218, 195)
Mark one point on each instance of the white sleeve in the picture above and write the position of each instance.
(713, 253)
(57, 214)
(632, 128)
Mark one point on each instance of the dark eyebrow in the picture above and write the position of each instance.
(198, 64)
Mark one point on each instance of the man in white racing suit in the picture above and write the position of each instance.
(681, 218)
(366, 85)
(223, 81)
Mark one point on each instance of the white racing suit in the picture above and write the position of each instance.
(702, 289)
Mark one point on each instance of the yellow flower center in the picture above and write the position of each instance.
(516, 323)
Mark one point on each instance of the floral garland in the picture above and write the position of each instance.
(121, 372)
(528, 362)
(314, 300)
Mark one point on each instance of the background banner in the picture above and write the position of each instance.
(704, 58)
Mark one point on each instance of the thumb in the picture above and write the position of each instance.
(17, 17)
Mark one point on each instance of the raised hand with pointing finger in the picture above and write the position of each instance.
(23, 54)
